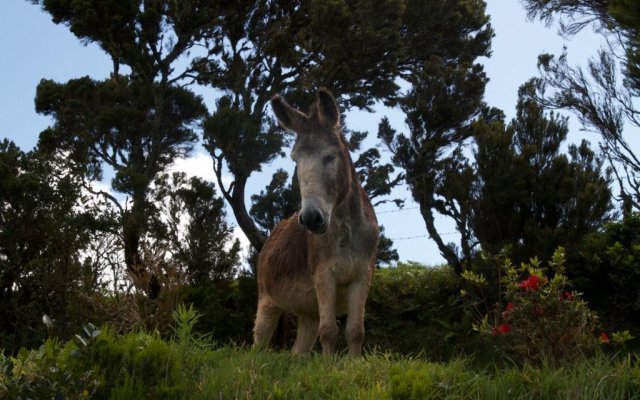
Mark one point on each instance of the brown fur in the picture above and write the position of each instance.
(320, 275)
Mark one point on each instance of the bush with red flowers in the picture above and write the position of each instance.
(538, 316)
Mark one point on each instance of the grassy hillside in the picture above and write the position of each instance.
(544, 343)
(145, 366)
(247, 374)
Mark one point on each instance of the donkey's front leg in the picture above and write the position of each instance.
(328, 328)
(356, 298)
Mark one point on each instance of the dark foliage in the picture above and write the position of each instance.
(135, 128)
(447, 85)
(604, 103)
(189, 219)
(42, 232)
(136, 124)
(607, 270)
(148, 37)
(228, 308)
(413, 309)
(528, 195)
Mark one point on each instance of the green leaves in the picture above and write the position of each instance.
(278, 201)
(537, 319)
(528, 194)
(241, 138)
(604, 103)
(442, 41)
(134, 128)
(146, 36)
(42, 232)
(188, 218)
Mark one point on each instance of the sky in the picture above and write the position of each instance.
(32, 48)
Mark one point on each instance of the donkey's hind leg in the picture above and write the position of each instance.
(266, 321)
(307, 334)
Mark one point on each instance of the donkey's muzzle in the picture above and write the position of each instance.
(313, 220)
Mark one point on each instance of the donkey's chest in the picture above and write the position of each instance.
(346, 267)
(344, 253)
(346, 262)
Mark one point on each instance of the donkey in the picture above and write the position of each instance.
(318, 263)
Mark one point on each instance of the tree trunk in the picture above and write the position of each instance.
(244, 220)
(133, 230)
(445, 250)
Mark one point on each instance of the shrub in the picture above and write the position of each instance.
(102, 365)
(45, 373)
(608, 272)
(540, 318)
(228, 308)
(412, 308)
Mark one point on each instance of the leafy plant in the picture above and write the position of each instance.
(608, 272)
(539, 317)
(412, 308)
(47, 372)
(185, 319)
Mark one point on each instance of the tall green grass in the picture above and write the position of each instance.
(102, 365)
(250, 374)
(247, 374)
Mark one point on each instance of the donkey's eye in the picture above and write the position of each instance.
(329, 158)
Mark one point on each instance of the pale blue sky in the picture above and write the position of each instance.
(34, 48)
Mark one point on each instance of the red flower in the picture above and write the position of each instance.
(604, 338)
(507, 309)
(532, 283)
(567, 295)
(500, 329)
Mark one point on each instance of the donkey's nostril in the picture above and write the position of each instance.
(312, 220)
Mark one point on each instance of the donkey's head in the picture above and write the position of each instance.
(322, 159)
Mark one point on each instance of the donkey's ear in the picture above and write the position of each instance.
(329, 110)
(289, 117)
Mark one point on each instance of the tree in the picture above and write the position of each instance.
(608, 272)
(277, 202)
(237, 137)
(263, 48)
(146, 36)
(43, 231)
(189, 222)
(576, 14)
(137, 124)
(602, 104)
(189, 217)
(117, 123)
(518, 190)
(527, 194)
(447, 85)
(626, 13)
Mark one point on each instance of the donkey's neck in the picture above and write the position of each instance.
(350, 210)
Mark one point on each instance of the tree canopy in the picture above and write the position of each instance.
(264, 48)
(603, 101)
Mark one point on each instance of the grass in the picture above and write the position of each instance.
(247, 374)
(250, 374)
(145, 366)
